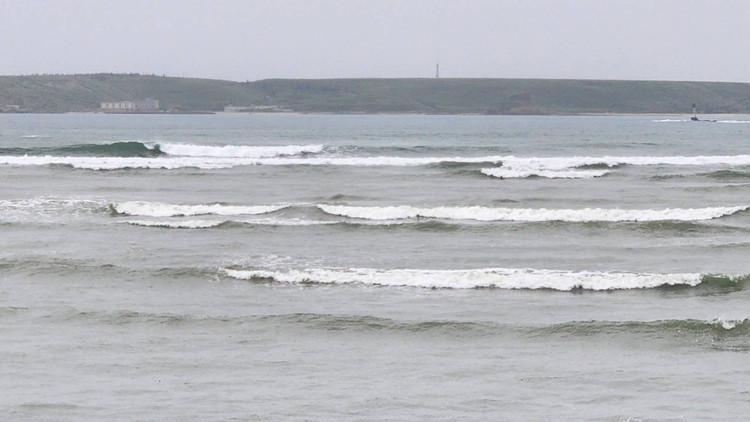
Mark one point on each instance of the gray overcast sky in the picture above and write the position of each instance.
(249, 40)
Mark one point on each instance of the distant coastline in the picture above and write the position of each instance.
(85, 93)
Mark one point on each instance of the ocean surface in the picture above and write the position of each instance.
(346, 268)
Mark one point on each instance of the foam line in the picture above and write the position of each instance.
(240, 151)
(186, 224)
(469, 279)
(155, 209)
(504, 173)
(530, 215)
(170, 162)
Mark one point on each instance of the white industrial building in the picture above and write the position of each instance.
(135, 105)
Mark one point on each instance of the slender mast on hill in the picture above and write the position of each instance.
(437, 70)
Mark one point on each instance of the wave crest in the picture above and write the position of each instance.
(501, 278)
(155, 209)
(238, 151)
(185, 224)
(210, 162)
(114, 149)
(529, 215)
(218, 157)
(504, 173)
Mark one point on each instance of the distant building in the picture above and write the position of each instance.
(135, 105)
(10, 108)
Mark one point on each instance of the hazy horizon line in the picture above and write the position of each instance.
(164, 75)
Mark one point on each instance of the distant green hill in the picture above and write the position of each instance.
(85, 92)
(65, 93)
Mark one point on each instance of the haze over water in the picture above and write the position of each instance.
(272, 267)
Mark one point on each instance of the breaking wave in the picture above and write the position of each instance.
(209, 163)
(207, 224)
(241, 151)
(503, 173)
(155, 209)
(530, 215)
(115, 149)
(565, 163)
(116, 163)
(591, 167)
(136, 155)
(156, 149)
(50, 204)
(47, 209)
(500, 278)
(185, 224)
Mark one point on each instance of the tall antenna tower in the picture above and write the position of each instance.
(437, 70)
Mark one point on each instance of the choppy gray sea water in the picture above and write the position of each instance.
(306, 267)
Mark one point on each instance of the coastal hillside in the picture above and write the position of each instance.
(84, 93)
(69, 93)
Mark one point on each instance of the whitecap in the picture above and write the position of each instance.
(115, 163)
(530, 214)
(534, 165)
(208, 163)
(156, 209)
(288, 222)
(505, 173)
(566, 163)
(238, 151)
(183, 224)
(502, 278)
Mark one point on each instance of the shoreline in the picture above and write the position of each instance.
(323, 113)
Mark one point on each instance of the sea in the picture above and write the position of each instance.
(256, 267)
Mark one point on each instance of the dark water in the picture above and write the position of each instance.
(302, 267)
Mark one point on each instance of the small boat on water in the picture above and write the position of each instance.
(695, 116)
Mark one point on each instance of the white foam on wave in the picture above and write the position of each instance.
(206, 224)
(47, 209)
(45, 205)
(504, 173)
(565, 163)
(171, 224)
(156, 209)
(528, 214)
(569, 167)
(170, 163)
(240, 151)
(287, 222)
(670, 120)
(734, 121)
(519, 165)
(115, 163)
(470, 279)
(377, 161)
(728, 324)
(48, 203)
